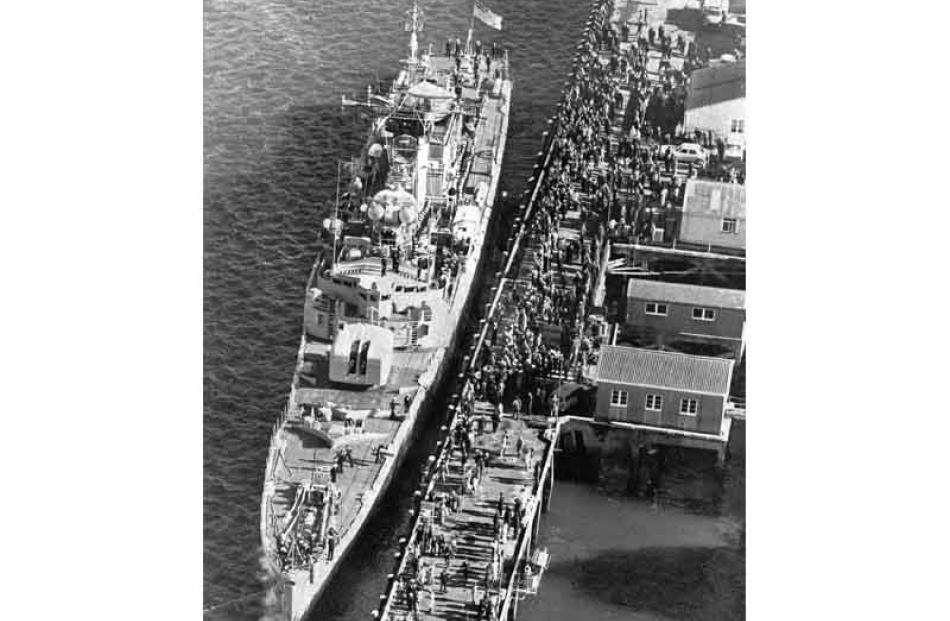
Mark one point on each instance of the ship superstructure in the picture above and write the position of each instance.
(383, 304)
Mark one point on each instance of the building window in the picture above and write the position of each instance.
(738, 126)
(654, 402)
(618, 398)
(729, 225)
(704, 314)
(688, 407)
(351, 310)
(654, 308)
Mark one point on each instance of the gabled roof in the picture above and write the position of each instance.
(715, 84)
(685, 294)
(722, 199)
(663, 369)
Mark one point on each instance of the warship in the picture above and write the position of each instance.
(384, 303)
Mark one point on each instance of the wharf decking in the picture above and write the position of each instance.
(471, 528)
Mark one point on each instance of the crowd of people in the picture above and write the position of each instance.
(615, 184)
(582, 161)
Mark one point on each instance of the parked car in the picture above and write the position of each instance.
(735, 148)
(691, 153)
(715, 11)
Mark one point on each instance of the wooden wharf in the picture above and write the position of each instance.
(501, 567)
(486, 562)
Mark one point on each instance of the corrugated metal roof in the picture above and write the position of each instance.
(677, 293)
(663, 369)
(723, 199)
(715, 84)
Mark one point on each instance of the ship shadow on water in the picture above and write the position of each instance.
(686, 584)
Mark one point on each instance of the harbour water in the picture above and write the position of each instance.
(273, 75)
(615, 557)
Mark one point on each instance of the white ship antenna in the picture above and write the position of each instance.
(414, 24)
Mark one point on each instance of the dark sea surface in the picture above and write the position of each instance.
(274, 72)
(620, 558)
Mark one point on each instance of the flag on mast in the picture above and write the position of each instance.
(488, 17)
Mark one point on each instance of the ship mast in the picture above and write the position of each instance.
(336, 211)
(414, 25)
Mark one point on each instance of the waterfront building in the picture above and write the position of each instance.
(663, 389)
(715, 100)
(670, 313)
(713, 214)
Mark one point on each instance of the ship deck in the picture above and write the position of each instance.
(310, 448)
(313, 429)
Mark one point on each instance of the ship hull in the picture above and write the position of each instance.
(296, 594)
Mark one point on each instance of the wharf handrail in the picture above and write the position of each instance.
(536, 493)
